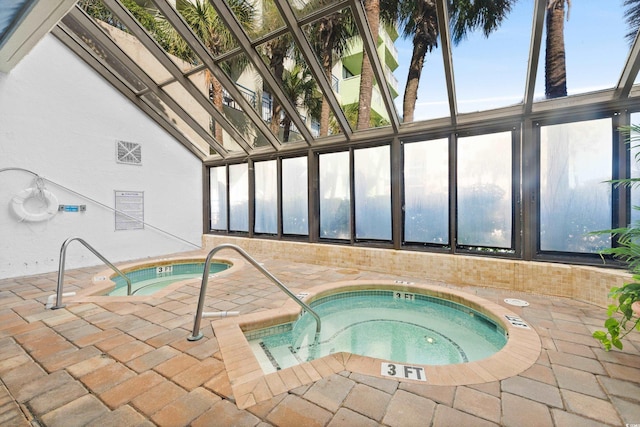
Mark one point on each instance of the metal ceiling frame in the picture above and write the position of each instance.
(447, 59)
(370, 43)
(203, 53)
(156, 50)
(229, 18)
(114, 50)
(539, 9)
(622, 95)
(79, 48)
(316, 69)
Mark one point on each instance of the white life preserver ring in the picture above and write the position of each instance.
(18, 207)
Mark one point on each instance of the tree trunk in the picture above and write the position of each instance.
(216, 99)
(420, 47)
(287, 130)
(555, 62)
(277, 67)
(372, 7)
(325, 110)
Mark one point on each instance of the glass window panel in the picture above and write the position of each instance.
(303, 8)
(205, 23)
(266, 20)
(295, 207)
(634, 148)
(335, 196)
(266, 197)
(218, 197)
(232, 112)
(172, 117)
(484, 190)
(103, 53)
(373, 193)
(426, 191)
(296, 82)
(575, 160)
(342, 60)
(490, 71)
(239, 197)
(603, 55)
(129, 44)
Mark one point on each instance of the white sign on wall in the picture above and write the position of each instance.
(129, 210)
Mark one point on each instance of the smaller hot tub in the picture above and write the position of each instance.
(153, 278)
(147, 281)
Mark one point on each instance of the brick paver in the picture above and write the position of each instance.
(407, 409)
(112, 363)
(368, 401)
(295, 411)
(330, 392)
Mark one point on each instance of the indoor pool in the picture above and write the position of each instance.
(391, 325)
(146, 281)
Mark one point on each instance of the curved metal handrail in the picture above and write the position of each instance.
(195, 334)
(63, 256)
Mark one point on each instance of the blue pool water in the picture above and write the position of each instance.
(147, 281)
(399, 327)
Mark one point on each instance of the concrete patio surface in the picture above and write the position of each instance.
(117, 363)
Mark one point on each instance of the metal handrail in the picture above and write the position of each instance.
(195, 334)
(63, 256)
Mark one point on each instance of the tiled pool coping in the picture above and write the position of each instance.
(250, 385)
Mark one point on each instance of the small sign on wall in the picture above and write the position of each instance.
(129, 210)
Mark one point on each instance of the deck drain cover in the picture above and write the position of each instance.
(518, 302)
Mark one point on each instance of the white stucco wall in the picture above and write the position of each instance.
(61, 120)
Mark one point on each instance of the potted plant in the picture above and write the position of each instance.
(624, 315)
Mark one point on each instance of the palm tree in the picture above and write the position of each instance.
(351, 113)
(300, 87)
(555, 78)
(633, 18)
(372, 9)
(275, 52)
(418, 19)
(330, 37)
(207, 25)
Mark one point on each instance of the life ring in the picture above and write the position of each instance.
(18, 205)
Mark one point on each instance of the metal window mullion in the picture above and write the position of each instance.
(227, 15)
(621, 169)
(173, 16)
(313, 16)
(152, 46)
(251, 197)
(530, 174)
(84, 20)
(453, 192)
(516, 191)
(63, 34)
(397, 184)
(370, 45)
(445, 41)
(279, 199)
(352, 196)
(318, 72)
(313, 195)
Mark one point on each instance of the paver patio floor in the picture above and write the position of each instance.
(129, 363)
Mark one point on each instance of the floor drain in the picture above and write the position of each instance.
(516, 302)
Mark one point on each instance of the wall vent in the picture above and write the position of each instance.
(129, 153)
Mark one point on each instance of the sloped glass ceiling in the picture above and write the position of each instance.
(211, 65)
